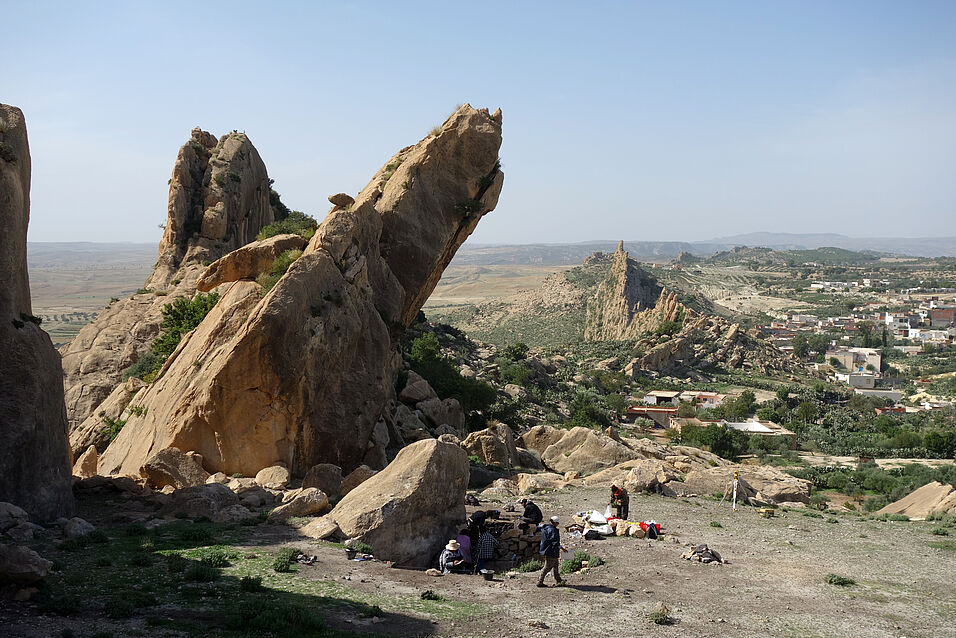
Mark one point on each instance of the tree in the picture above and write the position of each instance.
(806, 411)
(865, 329)
(801, 346)
(819, 343)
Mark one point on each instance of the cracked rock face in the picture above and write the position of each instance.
(35, 458)
(218, 202)
(302, 374)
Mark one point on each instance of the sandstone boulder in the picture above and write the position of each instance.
(249, 261)
(326, 477)
(585, 451)
(11, 516)
(77, 527)
(529, 460)
(172, 467)
(494, 445)
(320, 528)
(85, 466)
(305, 373)
(440, 413)
(416, 390)
(95, 430)
(647, 475)
(274, 477)
(35, 461)
(532, 483)
(933, 497)
(355, 478)
(540, 437)
(214, 501)
(762, 483)
(309, 502)
(342, 200)
(25, 532)
(21, 565)
(409, 510)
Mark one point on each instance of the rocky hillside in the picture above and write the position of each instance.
(301, 373)
(34, 455)
(218, 201)
(610, 298)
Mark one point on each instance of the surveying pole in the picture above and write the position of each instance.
(733, 504)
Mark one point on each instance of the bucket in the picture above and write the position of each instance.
(488, 574)
(350, 553)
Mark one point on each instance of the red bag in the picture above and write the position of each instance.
(644, 526)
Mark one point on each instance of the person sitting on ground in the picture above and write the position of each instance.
(532, 514)
(464, 546)
(620, 501)
(451, 558)
(485, 549)
(550, 550)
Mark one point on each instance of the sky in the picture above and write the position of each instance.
(621, 120)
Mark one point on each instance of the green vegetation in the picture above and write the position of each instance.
(839, 581)
(887, 485)
(576, 562)
(279, 267)
(6, 153)
(284, 559)
(179, 317)
(295, 223)
(530, 565)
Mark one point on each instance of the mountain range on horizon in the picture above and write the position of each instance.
(59, 253)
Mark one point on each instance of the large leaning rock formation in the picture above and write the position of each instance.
(35, 460)
(218, 202)
(302, 375)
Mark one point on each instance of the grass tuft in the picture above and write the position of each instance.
(839, 581)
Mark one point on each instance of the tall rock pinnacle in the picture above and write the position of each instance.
(34, 454)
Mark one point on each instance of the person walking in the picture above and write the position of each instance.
(550, 550)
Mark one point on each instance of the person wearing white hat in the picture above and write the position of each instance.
(550, 550)
(451, 557)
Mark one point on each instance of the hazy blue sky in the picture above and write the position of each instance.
(664, 120)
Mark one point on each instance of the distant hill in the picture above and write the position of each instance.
(915, 247)
(84, 254)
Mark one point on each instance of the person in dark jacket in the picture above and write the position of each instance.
(532, 514)
(550, 550)
(620, 501)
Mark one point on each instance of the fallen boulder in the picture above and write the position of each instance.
(274, 477)
(309, 502)
(532, 483)
(248, 261)
(355, 478)
(214, 501)
(540, 437)
(171, 466)
(586, 451)
(409, 510)
(11, 516)
(20, 564)
(765, 484)
(85, 466)
(494, 445)
(932, 498)
(77, 526)
(326, 477)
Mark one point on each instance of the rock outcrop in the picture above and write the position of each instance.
(628, 303)
(303, 374)
(932, 498)
(249, 261)
(410, 509)
(35, 460)
(218, 202)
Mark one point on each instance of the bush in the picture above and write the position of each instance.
(898, 517)
(575, 563)
(251, 583)
(196, 534)
(176, 564)
(940, 531)
(283, 561)
(660, 617)
(819, 501)
(213, 558)
(199, 573)
(839, 581)
(715, 524)
(279, 267)
(361, 548)
(531, 565)
(296, 223)
(271, 618)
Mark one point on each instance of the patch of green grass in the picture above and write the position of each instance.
(283, 560)
(813, 514)
(940, 531)
(213, 557)
(898, 517)
(947, 545)
(531, 565)
(715, 524)
(832, 520)
(839, 581)
(279, 267)
(575, 563)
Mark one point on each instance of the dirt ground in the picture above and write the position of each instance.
(772, 582)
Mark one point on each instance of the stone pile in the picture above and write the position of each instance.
(514, 542)
(702, 554)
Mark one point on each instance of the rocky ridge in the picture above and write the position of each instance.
(253, 384)
(218, 202)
